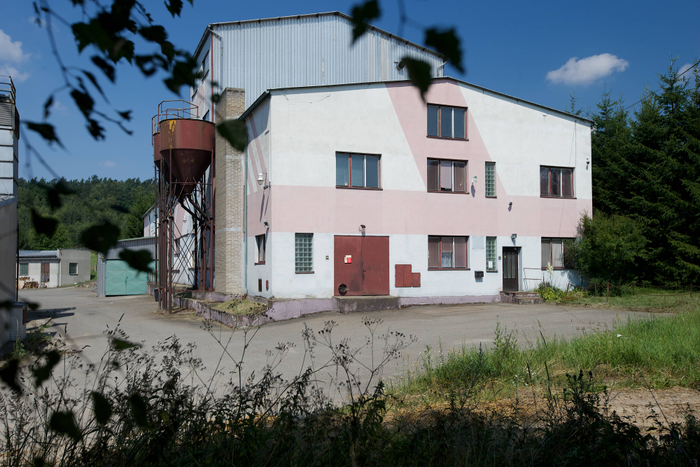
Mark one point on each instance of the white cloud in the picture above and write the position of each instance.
(685, 68)
(109, 164)
(16, 75)
(11, 55)
(587, 70)
(11, 51)
(58, 106)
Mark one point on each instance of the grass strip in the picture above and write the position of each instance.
(657, 352)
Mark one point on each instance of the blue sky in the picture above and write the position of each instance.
(540, 51)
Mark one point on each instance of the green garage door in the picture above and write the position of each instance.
(120, 279)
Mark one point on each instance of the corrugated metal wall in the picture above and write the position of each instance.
(133, 244)
(306, 51)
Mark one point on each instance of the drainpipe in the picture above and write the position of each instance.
(245, 223)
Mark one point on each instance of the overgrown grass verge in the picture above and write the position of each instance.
(140, 408)
(655, 352)
(628, 298)
(242, 307)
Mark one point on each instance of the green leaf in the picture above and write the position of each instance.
(43, 225)
(418, 73)
(234, 131)
(447, 43)
(94, 82)
(45, 130)
(102, 408)
(139, 410)
(121, 344)
(106, 68)
(100, 237)
(126, 115)
(84, 102)
(64, 423)
(96, 130)
(361, 14)
(184, 73)
(154, 34)
(139, 260)
(8, 375)
(119, 208)
(174, 7)
(54, 192)
(43, 373)
(47, 106)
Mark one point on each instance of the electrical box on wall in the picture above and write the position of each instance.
(478, 274)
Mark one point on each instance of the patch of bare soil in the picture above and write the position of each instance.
(642, 407)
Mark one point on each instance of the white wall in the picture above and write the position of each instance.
(34, 267)
(403, 249)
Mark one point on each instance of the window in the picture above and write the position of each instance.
(303, 252)
(447, 122)
(205, 66)
(23, 269)
(448, 176)
(356, 171)
(490, 180)
(556, 251)
(491, 264)
(73, 269)
(556, 182)
(447, 252)
(260, 242)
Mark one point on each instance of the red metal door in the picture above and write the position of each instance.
(375, 265)
(361, 265)
(348, 266)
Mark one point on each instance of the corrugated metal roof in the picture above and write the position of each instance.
(304, 50)
(312, 15)
(38, 253)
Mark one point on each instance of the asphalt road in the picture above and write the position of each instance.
(81, 320)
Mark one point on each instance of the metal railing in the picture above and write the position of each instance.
(8, 93)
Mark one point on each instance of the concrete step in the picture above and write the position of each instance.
(362, 304)
(521, 297)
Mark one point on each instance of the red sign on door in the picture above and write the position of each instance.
(348, 259)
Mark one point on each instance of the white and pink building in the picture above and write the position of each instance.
(366, 189)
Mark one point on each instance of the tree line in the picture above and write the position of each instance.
(646, 187)
(121, 202)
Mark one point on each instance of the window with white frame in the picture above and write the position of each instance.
(556, 182)
(357, 170)
(447, 252)
(447, 176)
(260, 243)
(23, 269)
(303, 252)
(557, 252)
(491, 264)
(490, 179)
(447, 122)
(73, 269)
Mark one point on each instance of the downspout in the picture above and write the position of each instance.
(245, 223)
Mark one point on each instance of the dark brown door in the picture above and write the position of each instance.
(361, 265)
(510, 269)
(45, 272)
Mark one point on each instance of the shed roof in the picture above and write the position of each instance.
(38, 253)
